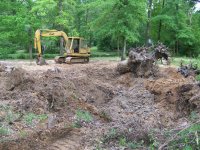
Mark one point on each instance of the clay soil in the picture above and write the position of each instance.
(128, 106)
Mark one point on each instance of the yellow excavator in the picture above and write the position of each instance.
(76, 50)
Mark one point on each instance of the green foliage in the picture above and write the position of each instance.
(23, 134)
(76, 124)
(197, 77)
(99, 53)
(176, 61)
(4, 130)
(112, 134)
(134, 145)
(122, 141)
(31, 117)
(194, 116)
(10, 116)
(177, 25)
(109, 25)
(187, 138)
(119, 22)
(82, 115)
(153, 141)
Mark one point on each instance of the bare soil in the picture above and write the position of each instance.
(129, 106)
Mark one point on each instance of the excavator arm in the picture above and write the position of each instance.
(47, 33)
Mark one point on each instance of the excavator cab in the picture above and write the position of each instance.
(76, 50)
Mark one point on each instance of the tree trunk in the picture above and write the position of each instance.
(13, 8)
(159, 29)
(60, 6)
(86, 22)
(148, 23)
(30, 43)
(118, 48)
(160, 23)
(123, 54)
(177, 46)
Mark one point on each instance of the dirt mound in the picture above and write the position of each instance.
(17, 78)
(120, 105)
(173, 95)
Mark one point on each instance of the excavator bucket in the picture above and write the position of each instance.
(40, 61)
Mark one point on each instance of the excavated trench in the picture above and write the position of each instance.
(127, 105)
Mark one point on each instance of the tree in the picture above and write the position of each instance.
(120, 20)
(148, 22)
(15, 22)
(172, 24)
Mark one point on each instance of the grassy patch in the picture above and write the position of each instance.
(22, 54)
(106, 58)
(81, 118)
(4, 130)
(98, 53)
(187, 138)
(111, 135)
(176, 61)
(85, 116)
(10, 116)
(30, 118)
(115, 136)
(197, 77)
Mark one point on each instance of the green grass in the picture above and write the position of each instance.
(95, 55)
(106, 58)
(176, 61)
(4, 130)
(22, 54)
(82, 115)
(187, 138)
(10, 115)
(31, 117)
(99, 53)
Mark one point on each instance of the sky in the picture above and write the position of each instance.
(197, 6)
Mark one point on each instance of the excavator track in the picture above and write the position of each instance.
(71, 60)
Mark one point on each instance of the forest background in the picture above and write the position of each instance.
(108, 25)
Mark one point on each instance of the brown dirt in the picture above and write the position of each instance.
(132, 106)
